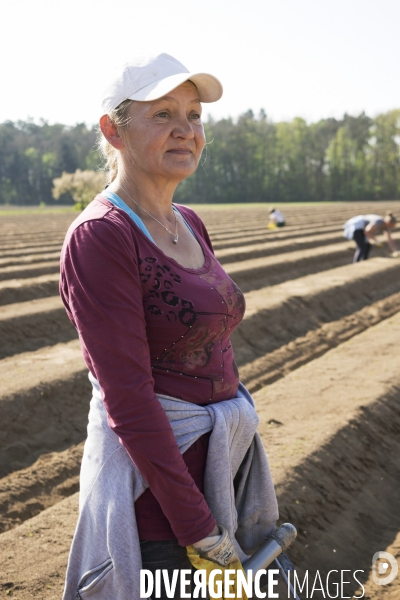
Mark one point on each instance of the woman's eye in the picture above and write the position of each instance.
(163, 114)
(195, 116)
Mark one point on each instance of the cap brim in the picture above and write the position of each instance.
(209, 87)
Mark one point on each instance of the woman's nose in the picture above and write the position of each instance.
(183, 128)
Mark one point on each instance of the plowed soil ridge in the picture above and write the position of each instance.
(27, 492)
(27, 259)
(269, 248)
(257, 273)
(334, 445)
(274, 361)
(30, 288)
(277, 315)
(16, 250)
(264, 236)
(31, 325)
(29, 270)
(303, 349)
(44, 404)
(331, 459)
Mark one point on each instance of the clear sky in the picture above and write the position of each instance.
(309, 58)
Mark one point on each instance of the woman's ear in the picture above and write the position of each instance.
(111, 133)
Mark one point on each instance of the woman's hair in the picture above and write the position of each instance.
(390, 218)
(120, 117)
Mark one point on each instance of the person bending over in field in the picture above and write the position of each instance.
(276, 218)
(363, 229)
(155, 311)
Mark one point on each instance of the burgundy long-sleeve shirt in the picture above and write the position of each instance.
(148, 325)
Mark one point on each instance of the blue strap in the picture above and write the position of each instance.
(117, 201)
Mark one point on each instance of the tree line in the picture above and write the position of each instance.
(32, 155)
(251, 159)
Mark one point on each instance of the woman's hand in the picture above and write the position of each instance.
(390, 241)
(217, 548)
(215, 559)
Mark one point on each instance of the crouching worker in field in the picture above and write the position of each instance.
(363, 229)
(276, 219)
(172, 458)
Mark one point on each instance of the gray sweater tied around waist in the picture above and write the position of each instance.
(105, 557)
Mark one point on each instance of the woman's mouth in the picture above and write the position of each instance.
(179, 151)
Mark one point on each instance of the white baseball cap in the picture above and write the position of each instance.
(148, 77)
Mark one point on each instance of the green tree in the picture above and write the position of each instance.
(341, 155)
(384, 156)
(292, 164)
(32, 155)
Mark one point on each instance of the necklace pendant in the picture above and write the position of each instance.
(175, 240)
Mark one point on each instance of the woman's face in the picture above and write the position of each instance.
(390, 224)
(165, 137)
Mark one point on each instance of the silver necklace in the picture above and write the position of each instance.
(175, 235)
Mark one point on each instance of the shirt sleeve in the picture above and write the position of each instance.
(100, 284)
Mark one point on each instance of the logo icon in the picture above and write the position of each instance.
(384, 568)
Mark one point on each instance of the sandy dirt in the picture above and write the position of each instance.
(320, 332)
(323, 458)
(331, 431)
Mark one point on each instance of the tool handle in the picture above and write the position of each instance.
(277, 543)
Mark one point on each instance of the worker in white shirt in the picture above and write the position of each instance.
(363, 229)
(276, 218)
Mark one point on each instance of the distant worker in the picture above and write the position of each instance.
(363, 229)
(276, 218)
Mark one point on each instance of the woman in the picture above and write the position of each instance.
(154, 311)
(363, 229)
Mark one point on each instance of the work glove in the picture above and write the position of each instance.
(217, 552)
(217, 548)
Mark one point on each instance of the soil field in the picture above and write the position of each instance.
(318, 348)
